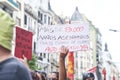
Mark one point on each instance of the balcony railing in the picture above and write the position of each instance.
(11, 4)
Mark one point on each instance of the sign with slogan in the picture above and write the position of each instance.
(73, 36)
(23, 43)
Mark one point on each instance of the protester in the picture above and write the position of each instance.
(42, 75)
(54, 76)
(62, 71)
(35, 75)
(10, 67)
(61, 75)
(88, 76)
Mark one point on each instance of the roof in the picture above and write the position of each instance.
(76, 15)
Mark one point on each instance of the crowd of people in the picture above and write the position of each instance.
(12, 68)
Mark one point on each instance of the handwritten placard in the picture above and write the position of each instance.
(51, 37)
(23, 43)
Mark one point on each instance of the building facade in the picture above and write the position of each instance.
(109, 70)
(85, 60)
(30, 18)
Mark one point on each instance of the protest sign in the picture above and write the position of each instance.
(73, 36)
(23, 43)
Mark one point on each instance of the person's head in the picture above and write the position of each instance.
(6, 30)
(35, 76)
(54, 76)
(42, 74)
(88, 76)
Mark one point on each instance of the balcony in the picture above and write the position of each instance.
(11, 4)
(30, 11)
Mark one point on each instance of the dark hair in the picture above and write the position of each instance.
(34, 75)
(43, 74)
(43, 77)
(88, 75)
(57, 74)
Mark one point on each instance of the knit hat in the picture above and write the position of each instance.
(6, 30)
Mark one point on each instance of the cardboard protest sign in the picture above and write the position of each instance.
(73, 36)
(23, 43)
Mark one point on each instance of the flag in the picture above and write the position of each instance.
(113, 78)
(93, 70)
(70, 70)
(104, 73)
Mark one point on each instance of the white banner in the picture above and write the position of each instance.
(73, 36)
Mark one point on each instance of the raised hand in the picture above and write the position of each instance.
(64, 51)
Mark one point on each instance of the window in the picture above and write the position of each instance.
(41, 16)
(48, 20)
(40, 54)
(44, 55)
(34, 45)
(38, 13)
(45, 19)
(25, 19)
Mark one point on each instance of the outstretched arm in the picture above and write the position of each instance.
(62, 71)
